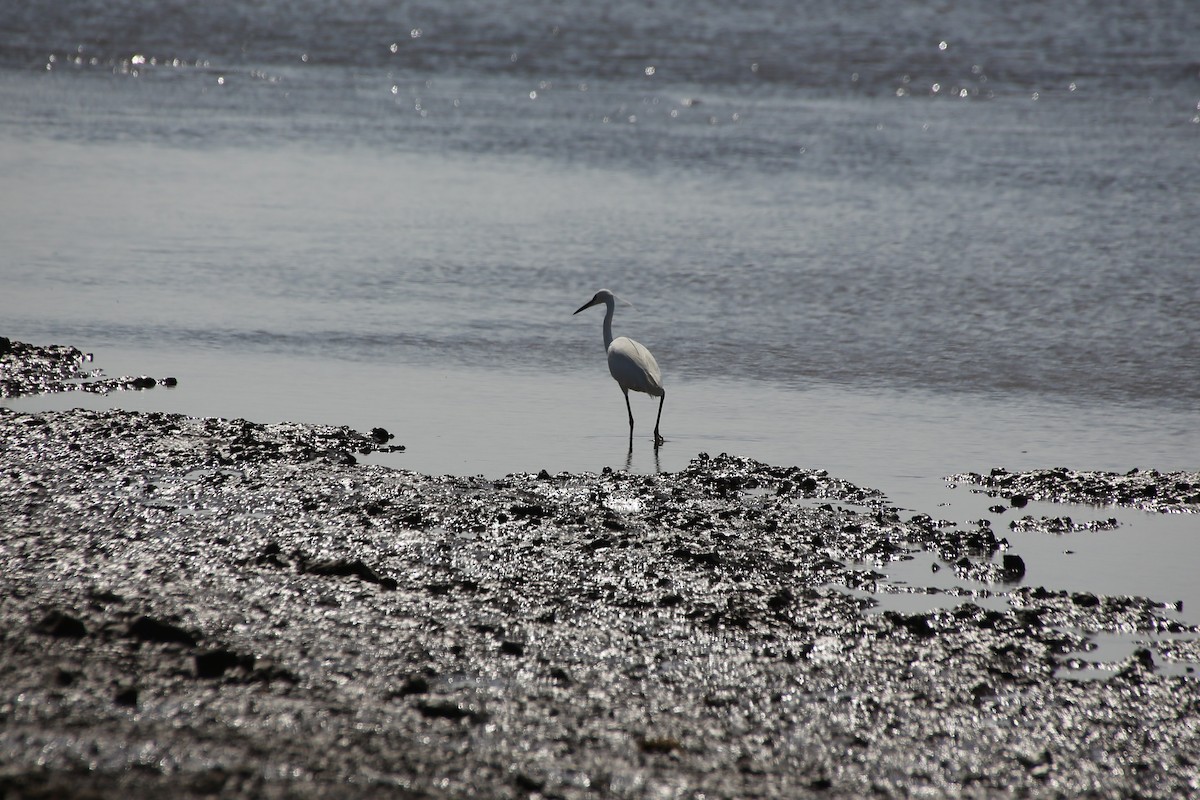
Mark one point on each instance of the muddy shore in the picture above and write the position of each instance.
(220, 608)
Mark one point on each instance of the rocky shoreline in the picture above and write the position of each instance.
(1149, 490)
(27, 369)
(220, 608)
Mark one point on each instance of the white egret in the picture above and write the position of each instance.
(631, 364)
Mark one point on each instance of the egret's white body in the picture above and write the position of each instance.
(632, 366)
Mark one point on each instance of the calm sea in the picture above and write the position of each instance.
(896, 240)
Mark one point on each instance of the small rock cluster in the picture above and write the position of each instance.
(34, 369)
(1061, 525)
(1150, 490)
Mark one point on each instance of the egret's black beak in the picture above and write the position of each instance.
(588, 304)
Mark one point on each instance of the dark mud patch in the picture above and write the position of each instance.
(48, 369)
(1149, 490)
(198, 607)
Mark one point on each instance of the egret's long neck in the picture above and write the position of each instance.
(608, 315)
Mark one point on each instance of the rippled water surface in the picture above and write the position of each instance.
(893, 241)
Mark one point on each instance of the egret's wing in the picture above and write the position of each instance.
(634, 367)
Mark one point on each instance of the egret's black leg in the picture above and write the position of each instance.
(629, 408)
(658, 439)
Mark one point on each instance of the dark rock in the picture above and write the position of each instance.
(781, 600)
(451, 710)
(528, 510)
(706, 557)
(1144, 657)
(669, 600)
(528, 783)
(266, 672)
(916, 624)
(512, 648)
(415, 684)
(104, 596)
(613, 522)
(659, 745)
(381, 435)
(148, 629)
(269, 556)
(982, 691)
(169, 382)
(126, 696)
(59, 623)
(62, 677)
(1014, 566)
(214, 663)
(345, 568)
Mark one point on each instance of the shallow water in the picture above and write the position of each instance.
(893, 243)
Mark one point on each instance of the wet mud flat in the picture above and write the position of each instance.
(219, 608)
